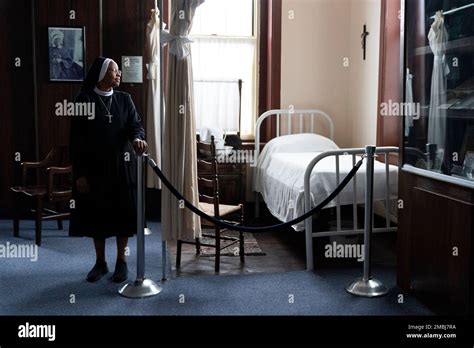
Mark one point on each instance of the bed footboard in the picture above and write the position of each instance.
(309, 234)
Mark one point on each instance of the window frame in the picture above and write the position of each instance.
(255, 37)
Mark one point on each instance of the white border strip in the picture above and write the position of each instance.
(441, 177)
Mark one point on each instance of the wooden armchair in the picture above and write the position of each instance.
(209, 202)
(52, 188)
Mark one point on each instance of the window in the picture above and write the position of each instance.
(224, 51)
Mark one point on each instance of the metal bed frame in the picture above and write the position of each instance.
(290, 114)
(309, 234)
(369, 201)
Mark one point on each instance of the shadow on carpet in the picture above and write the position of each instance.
(251, 247)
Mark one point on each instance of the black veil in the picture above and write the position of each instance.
(93, 75)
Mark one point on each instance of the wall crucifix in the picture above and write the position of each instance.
(364, 35)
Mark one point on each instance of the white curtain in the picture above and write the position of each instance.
(179, 143)
(438, 37)
(226, 59)
(217, 104)
(153, 112)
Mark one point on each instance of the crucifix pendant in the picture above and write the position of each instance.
(364, 35)
(110, 117)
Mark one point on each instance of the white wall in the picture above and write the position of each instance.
(364, 80)
(314, 45)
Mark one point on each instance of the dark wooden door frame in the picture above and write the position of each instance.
(388, 127)
(270, 63)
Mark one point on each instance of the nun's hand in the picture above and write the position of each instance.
(140, 146)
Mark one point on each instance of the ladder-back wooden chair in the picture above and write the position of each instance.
(50, 193)
(209, 202)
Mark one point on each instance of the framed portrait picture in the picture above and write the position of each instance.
(67, 53)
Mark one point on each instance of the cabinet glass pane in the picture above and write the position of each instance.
(439, 86)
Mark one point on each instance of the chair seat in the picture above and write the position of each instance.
(223, 211)
(40, 190)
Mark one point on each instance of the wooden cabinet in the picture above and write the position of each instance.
(435, 243)
(232, 182)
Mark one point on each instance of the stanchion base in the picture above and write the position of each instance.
(147, 231)
(367, 288)
(140, 289)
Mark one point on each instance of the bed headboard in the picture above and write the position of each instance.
(291, 115)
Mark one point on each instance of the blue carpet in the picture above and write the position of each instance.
(46, 287)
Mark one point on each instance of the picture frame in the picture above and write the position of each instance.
(67, 54)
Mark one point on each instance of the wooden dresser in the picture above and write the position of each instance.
(435, 243)
(232, 182)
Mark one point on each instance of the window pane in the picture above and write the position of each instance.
(224, 17)
(217, 104)
(223, 61)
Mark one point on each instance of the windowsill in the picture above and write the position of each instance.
(250, 145)
(246, 144)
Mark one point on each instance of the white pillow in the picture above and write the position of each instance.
(306, 142)
(294, 143)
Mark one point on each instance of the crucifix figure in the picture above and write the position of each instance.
(364, 39)
(110, 117)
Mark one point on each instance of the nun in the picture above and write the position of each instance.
(103, 153)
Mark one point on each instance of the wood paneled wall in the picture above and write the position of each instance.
(114, 28)
(54, 130)
(17, 121)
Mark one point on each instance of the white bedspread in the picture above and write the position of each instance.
(279, 176)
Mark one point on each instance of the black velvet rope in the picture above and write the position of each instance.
(223, 224)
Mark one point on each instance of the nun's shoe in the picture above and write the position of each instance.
(121, 272)
(97, 271)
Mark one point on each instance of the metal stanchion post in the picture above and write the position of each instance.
(141, 287)
(152, 163)
(162, 112)
(147, 230)
(367, 286)
(163, 260)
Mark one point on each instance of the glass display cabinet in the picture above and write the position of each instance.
(436, 187)
(439, 89)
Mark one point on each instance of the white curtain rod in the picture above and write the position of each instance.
(456, 10)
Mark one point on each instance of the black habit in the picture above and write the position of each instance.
(101, 151)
